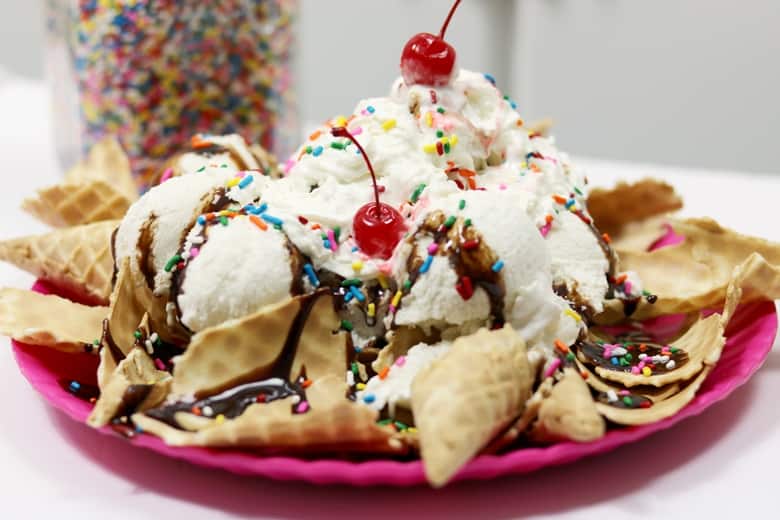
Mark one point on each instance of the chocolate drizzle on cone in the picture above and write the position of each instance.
(280, 385)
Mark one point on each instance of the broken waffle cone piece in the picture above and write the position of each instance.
(467, 396)
(400, 341)
(330, 424)
(77, 259)
(541, 126)
(135, 384)
(48, 320)
(701, 345)
(266, 160)
(694, 275)
(65, 204)
(107, 162)
(640, 235)
(604, 387)
(707, 338)
(293, 335)
(125, 313)
(521, 424)
(568, 413)
(631, 415)
(612, 208)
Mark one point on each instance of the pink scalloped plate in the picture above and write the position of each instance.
(750, 337)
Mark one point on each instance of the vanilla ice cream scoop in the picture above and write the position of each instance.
(477, 260)
(234, 270)
(155, 226)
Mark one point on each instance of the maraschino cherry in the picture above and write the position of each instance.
(429, 60)
(377, 227)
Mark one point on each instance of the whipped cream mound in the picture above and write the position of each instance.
(395, 389)
(457, 155)
(238, 270)
(466, 135)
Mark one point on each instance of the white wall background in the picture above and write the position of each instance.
(691, 82)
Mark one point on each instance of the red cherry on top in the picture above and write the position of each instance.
(377, 227)
(429, 60)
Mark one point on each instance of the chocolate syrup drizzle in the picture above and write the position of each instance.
(144, 251)
(592, 353)
(107, 341)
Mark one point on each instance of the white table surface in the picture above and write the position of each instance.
(721, 463)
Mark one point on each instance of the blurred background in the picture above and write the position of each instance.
(691, 83)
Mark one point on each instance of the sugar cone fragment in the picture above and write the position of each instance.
(65, 205)
(568, 413)
(250, 348)
(462, 400)
(134, 385)
(77, 259)
(107, 162)
(331, 424)
(49, 320)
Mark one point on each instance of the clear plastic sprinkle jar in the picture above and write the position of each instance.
(155, 72)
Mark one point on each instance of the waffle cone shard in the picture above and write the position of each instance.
(107, 162)
(526, 418)
(77, 259)
(66, 205)
(248, 348)
(135, 384)
(568, 413)
(462, 400)
(612, 208)
(695, 274)
(703, 343)
(126, 312)
(655, 394)
(48, 320)
(267, 161)
(706, 337)
(332, 423)
(401, 340)
(660, 410)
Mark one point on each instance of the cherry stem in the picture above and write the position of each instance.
(341, 131)
(447, 21)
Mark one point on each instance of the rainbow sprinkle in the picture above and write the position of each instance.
(311, 274)
(425, 267)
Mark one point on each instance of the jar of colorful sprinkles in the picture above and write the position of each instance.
(155, 72)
